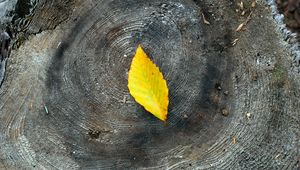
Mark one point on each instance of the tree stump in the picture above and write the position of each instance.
(234, 94)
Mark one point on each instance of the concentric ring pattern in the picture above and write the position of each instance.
(89, 89)
(65, 103)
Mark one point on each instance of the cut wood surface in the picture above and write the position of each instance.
(233, 95)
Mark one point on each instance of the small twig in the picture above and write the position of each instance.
(242, 25)
(249, 17)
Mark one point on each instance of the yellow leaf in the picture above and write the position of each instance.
(147, 85)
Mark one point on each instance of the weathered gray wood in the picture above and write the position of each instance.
(65, 105)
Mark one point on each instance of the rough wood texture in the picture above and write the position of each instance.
(65, 104)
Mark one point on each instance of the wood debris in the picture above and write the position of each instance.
(233, 43)
(241, 5)
(234, 140)
(253, 4)
(242, 25)
(225, 112)
(58, 45)
(248, 115)
(124, 99)
(185, 116)
(46, 109)
(243, 13)
(277, 156)
(239, 28)
(205, 20)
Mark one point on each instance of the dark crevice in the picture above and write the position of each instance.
(4, 54)
(291, 11)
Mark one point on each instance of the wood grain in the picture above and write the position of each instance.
(65, 102)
